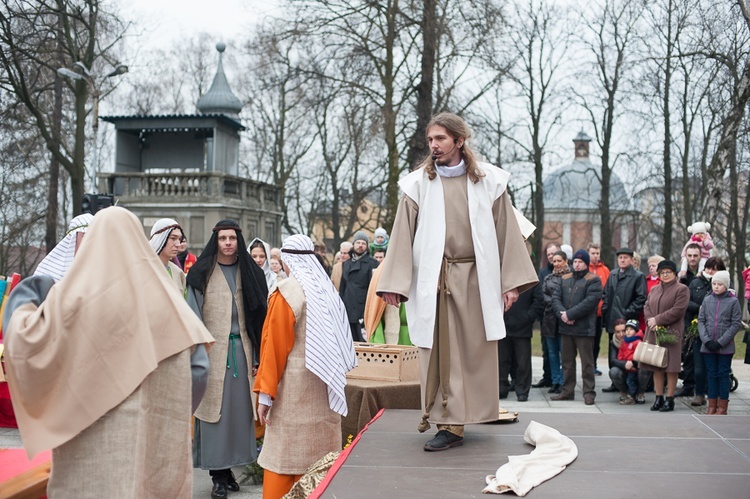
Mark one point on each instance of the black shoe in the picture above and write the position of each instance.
(658, 403)
(610, 389)
(503, 396)
(232, 483)
(512, 387)
(685, 392)
(219, 491)
(554, 389)
(443, 440)
(522, 398)
(668, 405)
(543, 383)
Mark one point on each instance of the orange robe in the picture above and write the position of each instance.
(276, 342)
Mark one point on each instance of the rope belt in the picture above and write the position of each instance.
(438, 369)
(231, 353)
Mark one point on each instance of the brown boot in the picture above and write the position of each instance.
(721, 410)
(712, 406)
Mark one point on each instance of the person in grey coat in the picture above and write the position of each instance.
(575, 303)
(719, 321)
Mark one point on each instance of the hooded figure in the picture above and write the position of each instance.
(100, 368)
(265, 258)
(160, 237)
(58, 261)
(306, 352)
(228, 292)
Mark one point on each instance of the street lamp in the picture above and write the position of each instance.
(85, 75)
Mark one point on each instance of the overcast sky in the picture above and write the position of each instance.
(166, 21)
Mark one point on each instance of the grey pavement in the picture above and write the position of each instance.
(539, 401)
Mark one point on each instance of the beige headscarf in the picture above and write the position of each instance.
(97, 335)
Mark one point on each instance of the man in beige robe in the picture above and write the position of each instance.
(456, 298)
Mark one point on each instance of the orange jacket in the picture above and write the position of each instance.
(602, 272)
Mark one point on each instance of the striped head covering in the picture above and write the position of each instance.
(58, 261)
(329, 351)
(160, 233)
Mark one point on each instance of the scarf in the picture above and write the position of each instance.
(160, 233)
(329, 351)
(59, 260)
(266, 267)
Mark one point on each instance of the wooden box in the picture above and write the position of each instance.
(385, 362)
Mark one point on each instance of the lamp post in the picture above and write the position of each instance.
(85, 74)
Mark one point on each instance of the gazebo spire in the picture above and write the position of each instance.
(220, 99)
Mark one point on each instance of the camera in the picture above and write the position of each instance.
(91, 203)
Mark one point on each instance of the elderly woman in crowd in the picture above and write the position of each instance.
(666, 306)
(550, 323)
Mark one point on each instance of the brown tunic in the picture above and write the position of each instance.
(667, 304)
(473, 387)
(144, 442)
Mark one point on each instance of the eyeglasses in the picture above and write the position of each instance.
(666, 272)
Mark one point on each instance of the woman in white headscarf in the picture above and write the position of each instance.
(260, 252)
(307, 342)
(166, 237)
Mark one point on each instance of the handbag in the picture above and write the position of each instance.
(651, 354)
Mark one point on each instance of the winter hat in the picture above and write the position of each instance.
(666, 264)
(360, 235)
(625, 251)
(722, 276)
(699, 227)
(582, 255)
(568, 249)
(632, 323)
(381, 232)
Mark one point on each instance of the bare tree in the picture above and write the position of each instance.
(608, 40)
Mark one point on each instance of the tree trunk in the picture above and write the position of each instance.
(666, 241)
(419, 147)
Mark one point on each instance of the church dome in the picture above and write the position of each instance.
(577, 187)
(220, 99)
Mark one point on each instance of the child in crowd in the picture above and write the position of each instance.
(719, 320)
(633, 336)
(380, 241)
(702, 238)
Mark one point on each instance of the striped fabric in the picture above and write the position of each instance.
(160, 233)
(58, 261)
(329, 352)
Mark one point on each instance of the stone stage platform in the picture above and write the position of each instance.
(619, 455)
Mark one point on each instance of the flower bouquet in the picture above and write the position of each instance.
(664, 337)
(692, 330)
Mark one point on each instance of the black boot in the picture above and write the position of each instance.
(658, 403)
(554, 388)
(668, 405)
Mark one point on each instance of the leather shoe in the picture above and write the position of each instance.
(668, 405)
(640, 398)
(562, 396)
(543, 383)
(658, 403)
(554, 388)
(232, 483)
(443, 440)
(588, 399)
(522, 398)
(698, 401)
(219, 491)
(610, 389)
(685, 392)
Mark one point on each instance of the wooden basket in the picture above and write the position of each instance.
(385, 362)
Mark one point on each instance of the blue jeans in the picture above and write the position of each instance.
(699, 368)
(717, 370)
(555, 367)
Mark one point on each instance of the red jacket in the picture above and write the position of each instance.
(627, 349)
(602, 272)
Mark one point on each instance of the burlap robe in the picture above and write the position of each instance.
(304, 428)
(141, 448)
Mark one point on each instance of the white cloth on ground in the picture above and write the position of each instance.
(554, 452)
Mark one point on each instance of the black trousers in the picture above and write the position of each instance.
(356, 331)
(520, 348)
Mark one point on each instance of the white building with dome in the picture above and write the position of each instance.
(572, 204)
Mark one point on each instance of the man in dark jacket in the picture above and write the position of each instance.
(546, 380)
(694, 371)
(519, 320)
(355, 279)
(624, 296)
(575, 303)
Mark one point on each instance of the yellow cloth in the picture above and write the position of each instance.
(101, 330)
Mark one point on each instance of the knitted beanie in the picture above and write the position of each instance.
(722, 276)
(360, 235)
